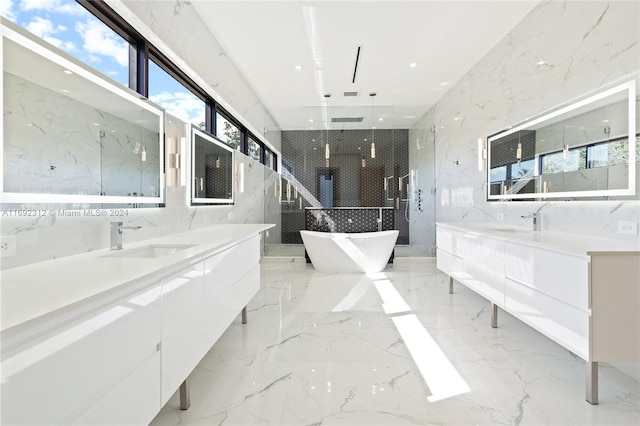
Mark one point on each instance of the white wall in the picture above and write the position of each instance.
(585, 46)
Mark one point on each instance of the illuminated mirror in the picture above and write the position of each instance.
(212, 169)
(580, 150)
(71, 136)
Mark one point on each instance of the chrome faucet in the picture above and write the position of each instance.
(537, 220)
(116, 234)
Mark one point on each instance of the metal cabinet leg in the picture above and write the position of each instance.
(592, 383)
(244, 315)
(494, 315)
(185, 395)
(450, 285)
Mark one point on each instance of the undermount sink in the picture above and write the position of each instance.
(150, 251)
(507, 230)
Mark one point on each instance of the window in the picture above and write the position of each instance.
(253, 149)
(607, 154)
(499, 174)
(270, 159)
(167, 92)
(70, 27)
(556, 163)
(227, 132)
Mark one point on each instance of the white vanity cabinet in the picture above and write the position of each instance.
(97, 366)
(231, 279)
(183, 335)
(198, 305)
(549, 290)
(112, 338)
(582, 292)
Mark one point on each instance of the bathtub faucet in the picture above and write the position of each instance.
(379, 222)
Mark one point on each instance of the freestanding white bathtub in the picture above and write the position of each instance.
(358, 252)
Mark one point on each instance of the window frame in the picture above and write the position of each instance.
(141, 51)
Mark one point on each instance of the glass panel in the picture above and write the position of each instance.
(167, 92)
(227, 132)
(70, 27)
(254, 149)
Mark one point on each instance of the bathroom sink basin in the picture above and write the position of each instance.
(505, 230)
(150, 251)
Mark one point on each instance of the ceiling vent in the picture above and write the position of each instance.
(347, 119)
(347, 94)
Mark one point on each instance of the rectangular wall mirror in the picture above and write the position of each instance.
(212, 169)
(581, 150)
(71, 136)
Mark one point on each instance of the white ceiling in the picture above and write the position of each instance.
(267, 39)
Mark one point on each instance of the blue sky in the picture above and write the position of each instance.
(68, 26)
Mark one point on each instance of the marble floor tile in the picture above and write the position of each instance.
(327, 349)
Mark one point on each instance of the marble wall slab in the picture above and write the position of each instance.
(560, 51)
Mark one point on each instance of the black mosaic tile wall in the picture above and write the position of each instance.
(303, 154)
(348, 220)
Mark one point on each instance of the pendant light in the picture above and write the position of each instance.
(519, 153)
(327, 153)
(373, 138)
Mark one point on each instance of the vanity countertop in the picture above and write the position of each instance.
(31, 291)
(577, 244)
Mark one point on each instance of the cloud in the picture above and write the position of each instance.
(6, 10)
(182, 105)
(101, 40)
(69, 7)
(45, 29)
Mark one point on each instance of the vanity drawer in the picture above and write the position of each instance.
(449, 263)
(449, 240)
(563, 323)
(483, 266)
(560, 275)
(228, 267)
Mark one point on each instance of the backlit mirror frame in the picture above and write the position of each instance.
(630, 89)
(35, 45)
(195, 131)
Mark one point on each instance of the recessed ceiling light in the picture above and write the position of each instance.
(445, 83)
(365, 139)
(311, 120)
(457, 118)
(541, 63)
(380, 119)
(298, 67)
(65, 91)
(413, 64)
(68, 72)
(605, 121)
